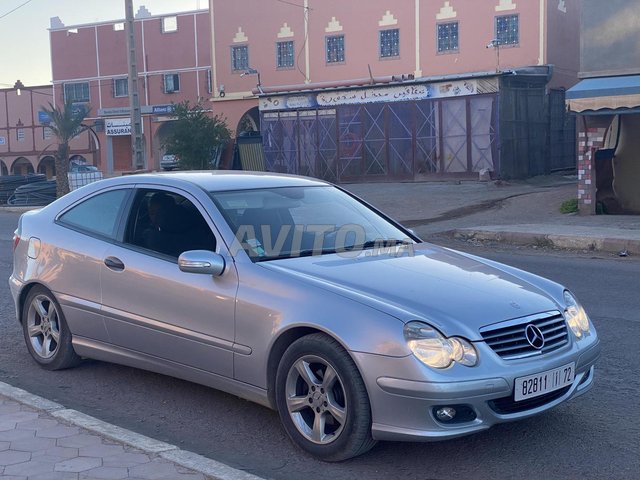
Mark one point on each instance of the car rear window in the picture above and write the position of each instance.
(98, 214)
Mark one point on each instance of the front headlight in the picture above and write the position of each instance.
(577, 318)
(437, 351)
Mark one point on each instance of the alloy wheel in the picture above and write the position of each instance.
(43, 326)
(316, 399)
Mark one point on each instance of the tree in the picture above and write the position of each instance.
(66, 124)
(195, 136)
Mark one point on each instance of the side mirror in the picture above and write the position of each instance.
(202, 261)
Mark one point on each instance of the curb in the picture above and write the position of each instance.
(184, 458)
(561, 241)
(21, 209)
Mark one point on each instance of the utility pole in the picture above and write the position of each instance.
(138, 160)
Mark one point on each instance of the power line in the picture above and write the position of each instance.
(11, 11)
(306, 36)
(306, 39)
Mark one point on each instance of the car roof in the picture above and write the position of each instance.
(221, 180)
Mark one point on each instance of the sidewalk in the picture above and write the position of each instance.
(523, 213)
(41, 440)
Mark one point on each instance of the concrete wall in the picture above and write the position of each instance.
(562, 42)
(610, 37)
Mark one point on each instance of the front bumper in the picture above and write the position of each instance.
(404, 409)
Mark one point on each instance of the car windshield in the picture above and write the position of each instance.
(285, 222)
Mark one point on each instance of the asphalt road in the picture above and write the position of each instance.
(595, 436)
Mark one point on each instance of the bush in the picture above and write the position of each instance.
(569, 206)
(195, 135)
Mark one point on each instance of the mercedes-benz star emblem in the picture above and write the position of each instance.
(534, 336)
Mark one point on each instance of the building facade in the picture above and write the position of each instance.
(607, 101)
(90, 66)
(391, 90)
(27, 144)
(447, 67)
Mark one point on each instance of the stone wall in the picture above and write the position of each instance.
(590, 139)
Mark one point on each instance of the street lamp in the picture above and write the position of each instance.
(495, 43)
(253, 71)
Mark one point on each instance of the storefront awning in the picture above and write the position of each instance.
(610, 94)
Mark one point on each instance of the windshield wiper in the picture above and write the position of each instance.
(302, 253)
(380, 243)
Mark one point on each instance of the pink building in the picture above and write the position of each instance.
(89, 64)
(27, 145)
(445, 86)
(290, 55)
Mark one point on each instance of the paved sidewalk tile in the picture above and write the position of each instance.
(36, 446)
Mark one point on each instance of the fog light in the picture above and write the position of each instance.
(446, 414)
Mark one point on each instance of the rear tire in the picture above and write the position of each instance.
(45, 331)
(322, 399)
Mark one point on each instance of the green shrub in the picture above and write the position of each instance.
(569, 206)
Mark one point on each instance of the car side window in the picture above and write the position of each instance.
(167, 223)
(98, 214)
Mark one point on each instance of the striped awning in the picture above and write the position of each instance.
(605, 94)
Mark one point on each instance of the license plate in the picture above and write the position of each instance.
(533, 386)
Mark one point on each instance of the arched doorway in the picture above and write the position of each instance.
(5, 170)
(77, 160)
(249, 122)
(163, 132)
(47, 166)
(22, 166)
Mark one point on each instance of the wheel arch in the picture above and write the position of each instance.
(280, 345)
(24, 292)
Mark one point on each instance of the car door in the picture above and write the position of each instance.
(150, 306)
(72, 256)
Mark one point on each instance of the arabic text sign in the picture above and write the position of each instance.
(396, 93)
(370, 95)
(117, 126)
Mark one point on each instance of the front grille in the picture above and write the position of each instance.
(508, 339)
(507, 405)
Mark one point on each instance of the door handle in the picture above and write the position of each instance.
(114, 263)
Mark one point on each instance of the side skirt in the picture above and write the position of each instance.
(110, 353)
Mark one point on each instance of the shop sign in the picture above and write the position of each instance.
(44, 118)
(396, 93)
(162, 109)
(117, 126)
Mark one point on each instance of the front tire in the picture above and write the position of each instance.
(45, 331)
(322, 399)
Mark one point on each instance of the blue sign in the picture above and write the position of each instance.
(44, 118)
(159, 109)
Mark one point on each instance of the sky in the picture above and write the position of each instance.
(24, 38)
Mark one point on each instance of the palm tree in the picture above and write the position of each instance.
(66, 124)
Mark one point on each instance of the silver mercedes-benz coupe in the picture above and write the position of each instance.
(293, 293)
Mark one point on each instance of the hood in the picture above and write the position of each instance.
(451, 291)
